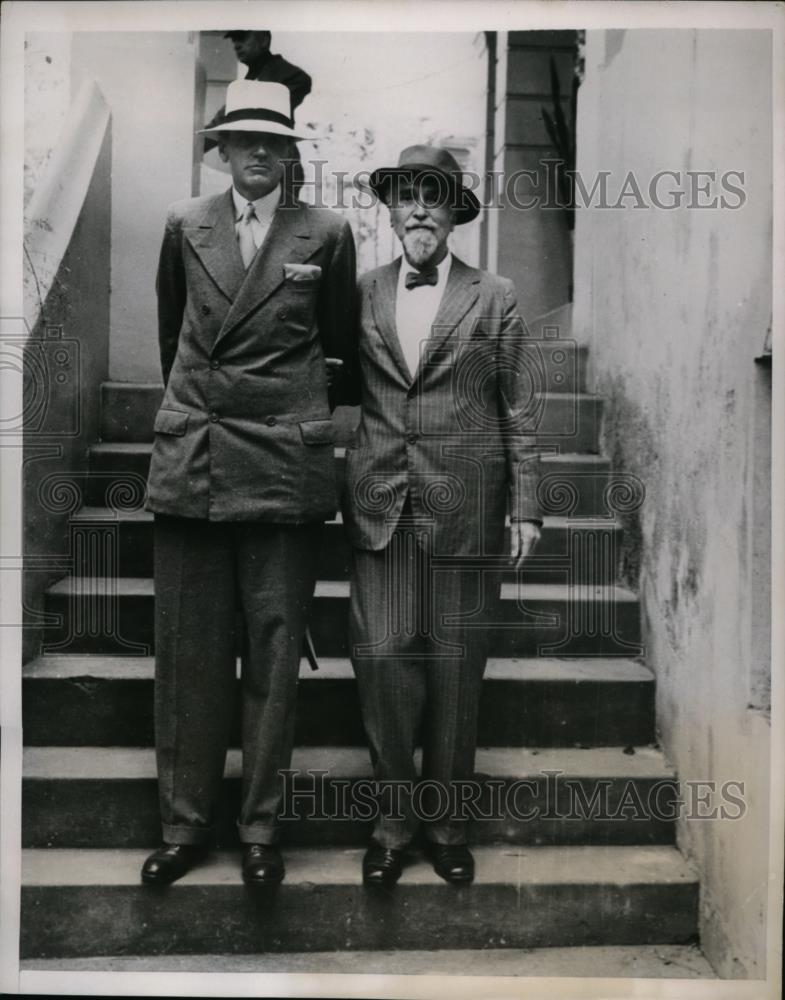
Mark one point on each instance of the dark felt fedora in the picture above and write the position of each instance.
(428, 161)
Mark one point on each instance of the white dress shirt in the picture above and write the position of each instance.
(415, 310)
(264, 208)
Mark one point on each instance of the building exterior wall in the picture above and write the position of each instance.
(47, 99)
(675, 305)
(149, 80)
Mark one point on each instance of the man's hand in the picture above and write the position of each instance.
(524, 535)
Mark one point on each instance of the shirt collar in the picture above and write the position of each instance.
(264, 207)
(442, 269)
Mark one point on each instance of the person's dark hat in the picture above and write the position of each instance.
(428, 161)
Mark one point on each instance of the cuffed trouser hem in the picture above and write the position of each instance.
(391, 839)
(445, 836)
(191, 835)
(257, 834)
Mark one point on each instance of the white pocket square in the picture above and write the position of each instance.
(301, 272)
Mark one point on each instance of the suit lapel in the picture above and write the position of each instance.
(215, 243)
(460, 294)
(289, 240)
(383, 298)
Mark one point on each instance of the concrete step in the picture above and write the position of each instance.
(90, 902)
(570, 484)
(108, 701)
(128, 408)
(660, 961)
(115, 615)
(584, 550)
(113, 467)
(108, 797)
(569, 420)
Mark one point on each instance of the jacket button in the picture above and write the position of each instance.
(214, 418)
(205, 310)
(412, 438)
(215, 365)
(271, 421)
(282, 313)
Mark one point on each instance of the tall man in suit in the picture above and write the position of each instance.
(444, 445)
(254, 292)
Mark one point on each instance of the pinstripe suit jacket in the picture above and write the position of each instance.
(458, 437)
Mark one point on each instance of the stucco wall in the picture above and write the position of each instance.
(47, 99)
(675, 305)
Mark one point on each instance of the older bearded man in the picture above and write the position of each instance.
(441, 447)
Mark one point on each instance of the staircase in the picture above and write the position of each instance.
(567, 707)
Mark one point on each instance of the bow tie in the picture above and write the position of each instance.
(416, 278)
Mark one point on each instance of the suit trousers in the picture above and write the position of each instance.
(205, 572)
(419, 659)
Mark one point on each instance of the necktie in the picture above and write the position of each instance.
(416, 278)
(245, 235)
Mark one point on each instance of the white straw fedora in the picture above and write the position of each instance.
(255, 106)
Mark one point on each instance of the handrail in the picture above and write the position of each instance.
(57, 202)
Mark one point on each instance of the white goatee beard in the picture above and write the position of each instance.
(419, 247)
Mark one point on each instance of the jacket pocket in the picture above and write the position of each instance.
(317, 431)
(171, 422)
(302, 274)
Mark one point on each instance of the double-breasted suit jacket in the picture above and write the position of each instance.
(459, 435)
(244, 430)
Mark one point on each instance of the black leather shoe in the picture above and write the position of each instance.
(452, 862)
(262, 865)
(382, 866)
(171, 862)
